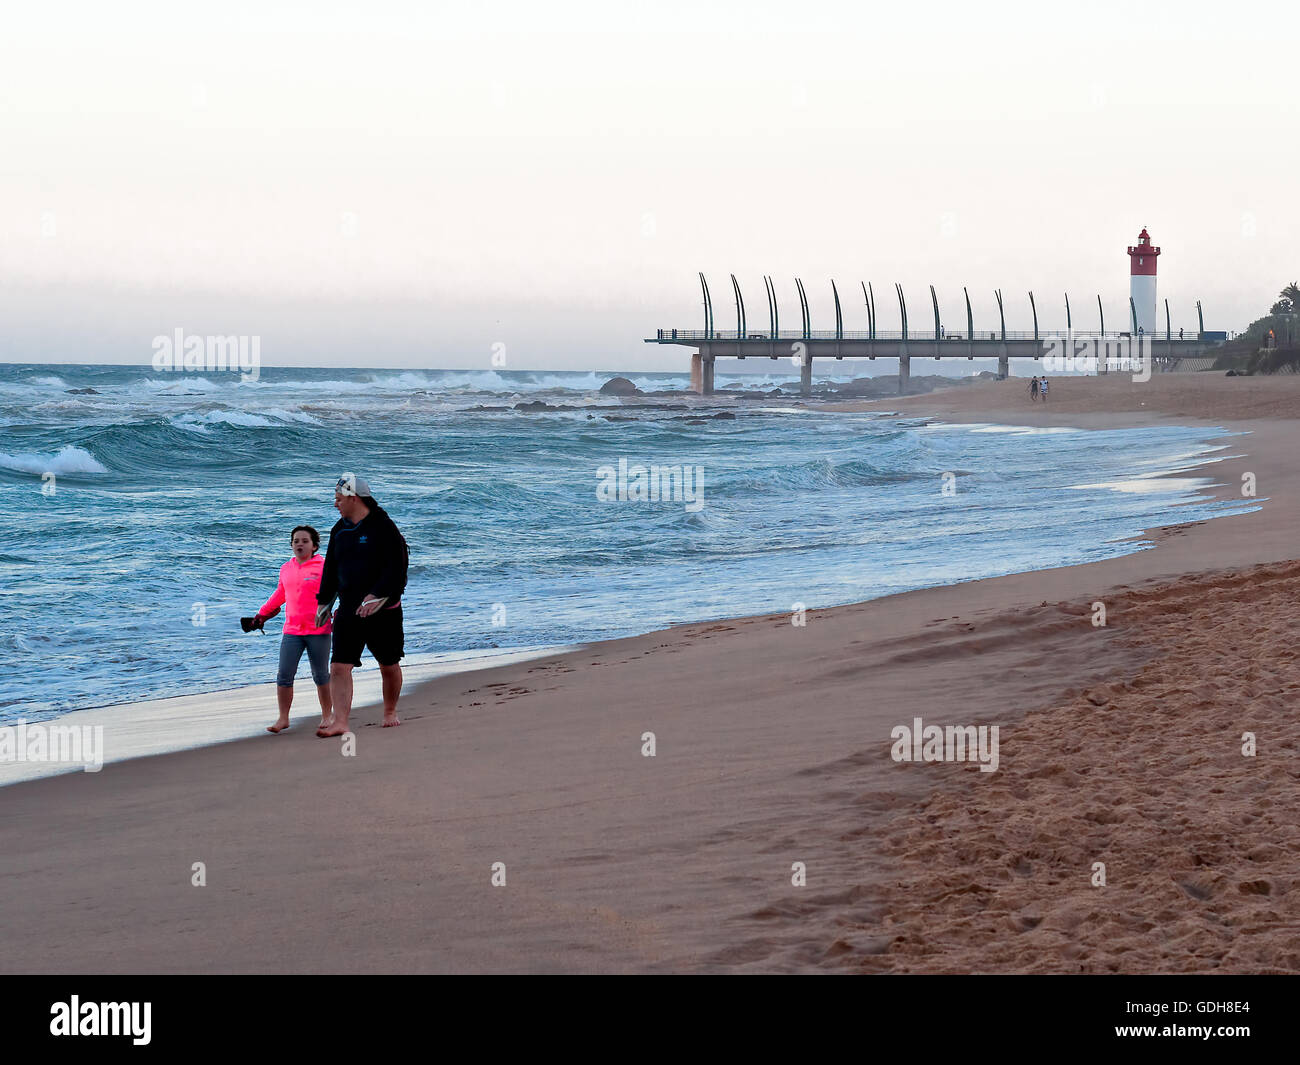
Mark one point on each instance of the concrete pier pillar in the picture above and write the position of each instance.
(702, 373)
(805, 375)
(904, 373)
(1004, 367)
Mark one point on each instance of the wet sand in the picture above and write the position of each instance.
(1119, 744)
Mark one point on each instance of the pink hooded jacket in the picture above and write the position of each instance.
(299, 583)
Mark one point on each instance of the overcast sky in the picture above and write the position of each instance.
(409, 184)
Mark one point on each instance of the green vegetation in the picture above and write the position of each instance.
(1248, 352)
(1289, 301)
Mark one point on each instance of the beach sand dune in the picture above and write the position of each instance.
(1120, 744)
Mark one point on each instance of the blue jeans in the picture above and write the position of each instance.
(318, 654)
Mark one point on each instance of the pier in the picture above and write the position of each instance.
(1169, 350)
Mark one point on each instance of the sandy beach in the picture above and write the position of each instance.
(1121, 744)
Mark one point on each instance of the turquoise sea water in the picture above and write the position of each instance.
(138, 522)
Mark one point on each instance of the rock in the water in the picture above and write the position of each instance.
(724, 415)
(81, 391)
(619, 386)
(533, 405)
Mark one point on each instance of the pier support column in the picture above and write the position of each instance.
(904, 373)
(805, 375)
(702, 373)
(1004, 368)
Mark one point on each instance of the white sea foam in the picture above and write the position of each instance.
(1152, 485)
(465, 381)
(240, 418)
(1026, 430)
(189, 426)
(291, 415)
(68, 459)
(180, 386)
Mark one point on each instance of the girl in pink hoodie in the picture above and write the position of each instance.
(299, 583)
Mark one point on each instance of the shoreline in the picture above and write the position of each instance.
(170, 724)
(149, 728)
(617, 861)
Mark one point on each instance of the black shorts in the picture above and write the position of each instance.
(381, 633)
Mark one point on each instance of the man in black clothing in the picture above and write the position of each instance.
(365, 568)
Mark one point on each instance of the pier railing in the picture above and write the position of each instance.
(670, 336)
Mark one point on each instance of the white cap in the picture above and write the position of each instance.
(352, 485)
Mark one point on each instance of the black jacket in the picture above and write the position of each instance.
(368, 558)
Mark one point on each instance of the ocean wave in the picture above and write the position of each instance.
(183, 386)
(1025, 430)
(190, 426)
(489, 382)
(241, 419)
(818, 474)
(48, 382)
(332, 386)
(404, 382)
(492, 381)
(292, 415)
(69, 459)
(59, 405)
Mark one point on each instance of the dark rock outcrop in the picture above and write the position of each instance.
(619, 386)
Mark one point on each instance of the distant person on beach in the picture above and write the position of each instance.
(1033, 388)
(1042, 388)
(299, 583)
(365, 567)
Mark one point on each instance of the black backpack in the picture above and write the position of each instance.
(406, 550)
(406, 556)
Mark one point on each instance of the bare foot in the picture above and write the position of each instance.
(391, 719)
(280, 725)
(334, 729)
(325, 722)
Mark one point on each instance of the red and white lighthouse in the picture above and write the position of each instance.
(1142, 281)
